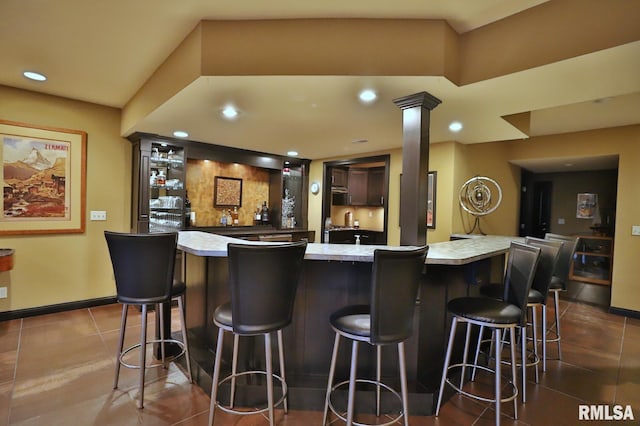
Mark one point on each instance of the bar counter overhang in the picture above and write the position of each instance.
(336, 275)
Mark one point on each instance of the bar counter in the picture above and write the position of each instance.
(336, 275)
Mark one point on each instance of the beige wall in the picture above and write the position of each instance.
(52, 269)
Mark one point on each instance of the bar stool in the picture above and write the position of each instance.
(537, 298)
(143, 266)
(497, 315)
(388, 319)
(559, 282)
(262, 281)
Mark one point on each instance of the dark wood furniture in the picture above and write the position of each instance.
(325, 286)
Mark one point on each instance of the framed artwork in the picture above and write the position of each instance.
(431, 200)
(44, 179)
(227, 192)
(586, 206)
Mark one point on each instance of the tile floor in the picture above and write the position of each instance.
(58, 370)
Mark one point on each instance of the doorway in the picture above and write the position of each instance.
(355, 200)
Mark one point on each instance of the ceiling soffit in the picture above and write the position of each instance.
(361, 47)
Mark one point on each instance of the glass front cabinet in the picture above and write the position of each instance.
(159, 190)
(593, 260)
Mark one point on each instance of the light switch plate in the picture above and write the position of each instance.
(635, 230)
(3, 292)
(98, 215)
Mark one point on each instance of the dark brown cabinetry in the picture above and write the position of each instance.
(159, 182)
(358, 187)
(339, 177)
(363, 187)
(159, 188)
(375, 187)
(348, 236)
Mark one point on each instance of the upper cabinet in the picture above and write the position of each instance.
(339, 177)
(375, 187)
(358, 186)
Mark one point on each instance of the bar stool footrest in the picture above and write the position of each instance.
(372, 382)
(257, 410)
(169, 358)
(509, 398)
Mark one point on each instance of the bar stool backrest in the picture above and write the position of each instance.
(521, 268)
(143, 265)
(561, 273)
(395, 279)
(549, 255)
(263, 280)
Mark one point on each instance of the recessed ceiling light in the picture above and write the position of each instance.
(180, 134)
(455, 126)
(230, 112)
(292, 153)
(36, 76)
(368, 96)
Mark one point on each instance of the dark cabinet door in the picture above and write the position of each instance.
(375, 187)
(358, 187)
(339, 177)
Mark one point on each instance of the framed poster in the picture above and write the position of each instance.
(44, 179)
(227, 192)
(431, 200)
(586, 206)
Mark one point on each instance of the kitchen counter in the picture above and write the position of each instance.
(457, 252)
(335, 275)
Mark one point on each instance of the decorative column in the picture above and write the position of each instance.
(416, 110)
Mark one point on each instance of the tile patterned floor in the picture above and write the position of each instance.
(58, 370)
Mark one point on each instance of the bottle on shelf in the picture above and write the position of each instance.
(223, 218)
(257, 216)
(187, 210)
(234, 216)
(264, 214)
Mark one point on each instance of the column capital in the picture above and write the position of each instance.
(422, 99)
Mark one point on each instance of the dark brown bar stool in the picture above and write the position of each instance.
(497, 315)
(387, 320)
(262, 281)
(537, 298)
(143, 265)
(559, 282)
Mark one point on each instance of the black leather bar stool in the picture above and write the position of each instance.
(559, 282)
(143, 265)
(537, 298)
(388, 319)
(263, 280)
(497, 315)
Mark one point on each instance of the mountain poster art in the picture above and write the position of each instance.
(35, 184)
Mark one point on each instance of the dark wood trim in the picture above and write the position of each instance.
(51, 309)
(624, 312)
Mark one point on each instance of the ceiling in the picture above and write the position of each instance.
(104, 52)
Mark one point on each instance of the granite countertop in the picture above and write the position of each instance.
(458, 252)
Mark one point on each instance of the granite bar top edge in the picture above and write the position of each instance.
(459, 252)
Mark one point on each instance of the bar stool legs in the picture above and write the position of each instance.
(556, 324)
(142, 345)
(497, 345)
(234, 374)
(349, 419)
